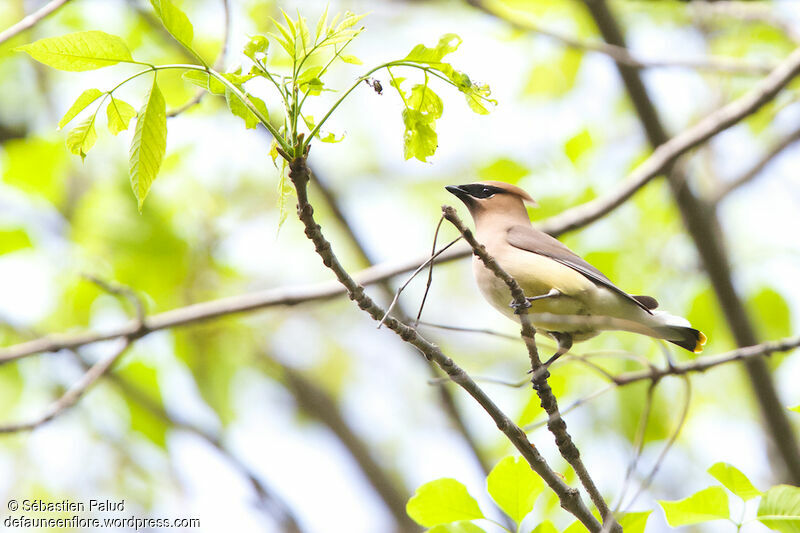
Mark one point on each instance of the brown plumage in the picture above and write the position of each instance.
(554, 278)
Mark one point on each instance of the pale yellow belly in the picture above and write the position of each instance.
(538, 275)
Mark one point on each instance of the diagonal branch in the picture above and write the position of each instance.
(31, 20)
(555, 423)
(73, 394)
(668, 150)
(619, 54)
(569, 497)
(728, 187)
(218, 64)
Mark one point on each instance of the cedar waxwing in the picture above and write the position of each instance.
(555, 279)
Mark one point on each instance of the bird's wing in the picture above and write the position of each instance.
(532, 240)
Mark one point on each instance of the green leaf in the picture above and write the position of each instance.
(420, 139)
(545, 527)
(119, 115)
(704, 506)
(353, 60)
(350, 20)
(149, 144)
(36, 166)
(504, 169)
(576, 527)
(330, 138)
(284, 39)
(448, 43)
(87, 97)
(733, 480)
(285, 188)
(442, 501)
(779, 509)
(289, 22)
(796, 408)
(424, 100)
(175, 20)
(322, 23)
(556, 77)
(771, 313)
(241, 110)
(514, 487)
(634, 522)
(577, 145)
(309, 82)
(456, 527)
(202, 79)
(13, 240)
(82, 137)
(145, 379)
(256, 48)
(80, 51)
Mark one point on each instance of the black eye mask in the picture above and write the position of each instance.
(478, 190)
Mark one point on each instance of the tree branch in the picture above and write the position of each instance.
(73, 394)
(219, 63)
(569, 497)
(704, 363)
(31, 20)
(619, 54)
(668, 150)
(726, 188)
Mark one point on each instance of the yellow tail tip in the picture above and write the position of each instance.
(701, 341)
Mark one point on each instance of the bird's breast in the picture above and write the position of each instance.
(537, 275)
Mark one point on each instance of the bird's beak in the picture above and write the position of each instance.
(459, 193)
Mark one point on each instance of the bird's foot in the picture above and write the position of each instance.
(539, 377)
(519, 308)
(553, 293)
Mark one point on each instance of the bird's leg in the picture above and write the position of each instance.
(564, 341)
(518, 308)
(554, 293)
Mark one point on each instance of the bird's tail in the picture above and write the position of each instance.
(678, 331)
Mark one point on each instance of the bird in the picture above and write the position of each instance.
(555, 280)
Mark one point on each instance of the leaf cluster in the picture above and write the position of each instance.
(779, 508)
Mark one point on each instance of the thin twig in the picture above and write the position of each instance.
(638, 445)
(73, 394)
(122, 291)
(745, 11)
(753, 172)
(411, 277)
(619, 54)
(31, 20)
(678, 427)
(665, 154)
(218, 64)
(430, 272)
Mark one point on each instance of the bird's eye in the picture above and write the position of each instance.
(487, 192)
